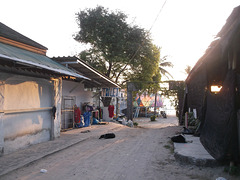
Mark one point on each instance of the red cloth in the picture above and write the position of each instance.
(77, 115)
(111, 111)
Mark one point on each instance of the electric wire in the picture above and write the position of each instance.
(157, 16)
(149, 29)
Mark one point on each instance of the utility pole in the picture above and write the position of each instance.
(155, 104)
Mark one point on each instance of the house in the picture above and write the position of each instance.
(213, 90)
(30, 92)
(93, 93)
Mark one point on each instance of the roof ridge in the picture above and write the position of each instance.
(10, 33)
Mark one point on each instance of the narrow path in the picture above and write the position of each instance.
(135, 154)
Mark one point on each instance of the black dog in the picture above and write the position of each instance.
(107, 136)
(178, 139)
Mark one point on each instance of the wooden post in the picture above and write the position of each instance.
(99, 104)
(52, 128)
(155, 104)
(129, 105)
(130, 88)
(117, 108)
(186, 119)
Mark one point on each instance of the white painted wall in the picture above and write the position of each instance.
(58, 104)
(21, 92)
(77, 89)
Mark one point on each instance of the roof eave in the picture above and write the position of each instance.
(58, 71)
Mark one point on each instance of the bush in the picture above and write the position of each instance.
(135, 124)
(153, 118)
(192, 121)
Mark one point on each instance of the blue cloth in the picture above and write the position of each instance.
(87, 116)
(95, 121)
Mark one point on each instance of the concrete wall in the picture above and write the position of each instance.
(28, 124)
(1, 115)
(73, 93)
(77, 90)
(57, 102)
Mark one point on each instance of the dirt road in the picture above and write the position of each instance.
(135, 154)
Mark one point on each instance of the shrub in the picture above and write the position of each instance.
(153, 118)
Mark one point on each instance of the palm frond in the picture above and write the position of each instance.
(166, 64)
(165, 73)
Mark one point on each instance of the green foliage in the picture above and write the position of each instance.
(94, 59)
(117, 49)
(147, 75)
(191, 120)
(153, 118)
(232, 170)
(163, 64)
(169, 146)
(176, 90)
(135, 124)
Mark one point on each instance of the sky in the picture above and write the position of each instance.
(182, 28)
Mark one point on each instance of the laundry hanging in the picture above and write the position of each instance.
(111, 111)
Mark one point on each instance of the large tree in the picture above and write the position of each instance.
(147, 73)
(117, 49)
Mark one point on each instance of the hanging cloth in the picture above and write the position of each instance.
(111, 111)
(77, 115)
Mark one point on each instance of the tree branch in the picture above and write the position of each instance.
(120, 72)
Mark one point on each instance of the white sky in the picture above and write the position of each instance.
(184, 29)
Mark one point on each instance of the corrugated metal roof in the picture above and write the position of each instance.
(80, 66)
(33, 59)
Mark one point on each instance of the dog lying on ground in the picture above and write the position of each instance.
(178, 139)
(107, 136)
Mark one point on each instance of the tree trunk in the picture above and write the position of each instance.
(109, 69)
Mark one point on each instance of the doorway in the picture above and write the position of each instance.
(68, 112)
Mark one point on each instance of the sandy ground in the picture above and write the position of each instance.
(135, 154)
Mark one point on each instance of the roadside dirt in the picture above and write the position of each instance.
(144, 153)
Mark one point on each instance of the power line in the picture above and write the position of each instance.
(149, 29)
(157, 16)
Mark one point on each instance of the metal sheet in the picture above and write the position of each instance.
(33, 59)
